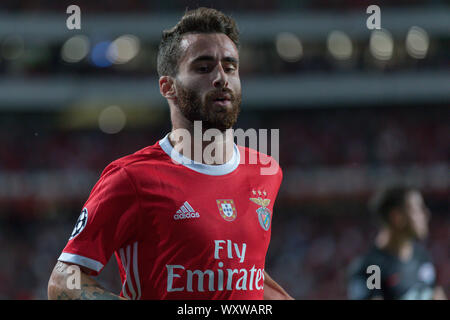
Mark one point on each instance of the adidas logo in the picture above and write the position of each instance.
(186, 212)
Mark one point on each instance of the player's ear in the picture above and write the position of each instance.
(167, 87)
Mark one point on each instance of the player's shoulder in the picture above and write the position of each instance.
(262, 161)
(148, 157)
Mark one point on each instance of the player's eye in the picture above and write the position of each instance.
(203, 68)
(230, 69)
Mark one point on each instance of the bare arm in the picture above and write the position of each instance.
(273, 291)
(86, 288)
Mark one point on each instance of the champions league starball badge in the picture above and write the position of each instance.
(81, 223)
(264, 214)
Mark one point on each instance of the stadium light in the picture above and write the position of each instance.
(339, 45)
(417, 42)
(75, 49)
(123, 49)
(99, 54)
(381, 44)
(112, 120)
(289, 47)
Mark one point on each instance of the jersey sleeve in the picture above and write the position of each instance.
(107, 221)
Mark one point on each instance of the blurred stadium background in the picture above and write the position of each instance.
(356, 109)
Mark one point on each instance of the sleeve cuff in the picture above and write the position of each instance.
(82, 261)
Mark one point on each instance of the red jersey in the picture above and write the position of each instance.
(179, 229)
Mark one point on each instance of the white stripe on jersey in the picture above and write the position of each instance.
(130, 265)
(135, 269)
(128, 278)
(125, 267)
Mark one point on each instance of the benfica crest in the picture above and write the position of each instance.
(227, 209)
(263, 212)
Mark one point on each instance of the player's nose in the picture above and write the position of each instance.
(220, 78)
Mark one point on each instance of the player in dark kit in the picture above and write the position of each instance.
(406, 270)
(182, 228)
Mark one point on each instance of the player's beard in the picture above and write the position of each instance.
(194, 109)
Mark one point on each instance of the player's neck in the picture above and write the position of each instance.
(395, 243)
(215, 150)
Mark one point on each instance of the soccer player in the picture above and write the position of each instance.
(181, 229)
(406, 270)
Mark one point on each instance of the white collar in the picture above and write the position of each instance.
(212, 170)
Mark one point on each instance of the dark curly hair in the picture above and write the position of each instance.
(201, 20)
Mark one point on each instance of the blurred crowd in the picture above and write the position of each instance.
(308, 138)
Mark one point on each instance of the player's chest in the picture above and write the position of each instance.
(211, 210)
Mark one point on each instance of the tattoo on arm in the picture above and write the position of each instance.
(92, 292)
(89, 292)
(63, 296)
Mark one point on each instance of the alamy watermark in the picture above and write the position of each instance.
(74, 277)
(374, 280)
(74, 20)
(211, 146)
(374, 20)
